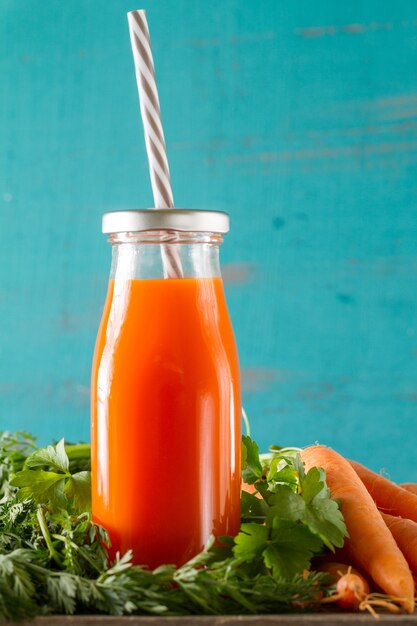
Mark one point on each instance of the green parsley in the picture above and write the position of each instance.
(53, 557)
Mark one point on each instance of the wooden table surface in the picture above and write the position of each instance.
(329, 619)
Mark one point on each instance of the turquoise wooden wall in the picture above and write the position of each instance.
(300, 119)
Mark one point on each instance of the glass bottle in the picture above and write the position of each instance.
(165, 401)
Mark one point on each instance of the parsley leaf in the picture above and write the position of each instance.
(78, 488)
(281, 472)
(46, 479)
(41, 486)
(14, 449)
(251, 465)
(286, 549)
(295, 496)
(251, 541)
(252, 507)
(290, 549)
(52, 457)
(322, 515)
(286, 505)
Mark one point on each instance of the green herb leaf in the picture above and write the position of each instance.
(47, 479)
(308, 501)
(290, 549)
(286, 505)
(281, 472)
(14, 449)
(78, 487)
(52, 457)
(252, 507)
(41, 486)
(62, 590)
(286, 549)
(251, 465)
(251, 541)
(322, 514)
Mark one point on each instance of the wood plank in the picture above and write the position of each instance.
(328, 619)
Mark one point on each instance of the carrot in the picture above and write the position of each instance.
(250, 489)
(389, 497)
(351, 591)
(370, 545)
(412, 487)
(404, 532)
(336, 570)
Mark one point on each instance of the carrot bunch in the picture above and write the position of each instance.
(381, 518)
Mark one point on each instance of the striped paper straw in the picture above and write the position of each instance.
(152, 125)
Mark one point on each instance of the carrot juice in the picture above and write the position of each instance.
(165, 418)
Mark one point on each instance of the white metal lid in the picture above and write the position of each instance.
(165, 219)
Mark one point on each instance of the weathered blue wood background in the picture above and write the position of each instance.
(300, 118)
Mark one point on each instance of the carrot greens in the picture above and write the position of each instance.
(53, 559)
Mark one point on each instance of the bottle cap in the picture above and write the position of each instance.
(186, 220)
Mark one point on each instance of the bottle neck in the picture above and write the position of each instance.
(140, 255)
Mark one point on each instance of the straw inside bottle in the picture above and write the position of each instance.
(153, 131)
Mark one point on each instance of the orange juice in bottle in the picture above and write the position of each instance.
(165, 406)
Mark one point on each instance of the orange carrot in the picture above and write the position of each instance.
(404, 532)
(370, 545)
(412, 487)
(336, 570)
(351, 591)
(389, 497)
(250, 489)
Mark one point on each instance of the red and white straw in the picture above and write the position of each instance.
(152, 125)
